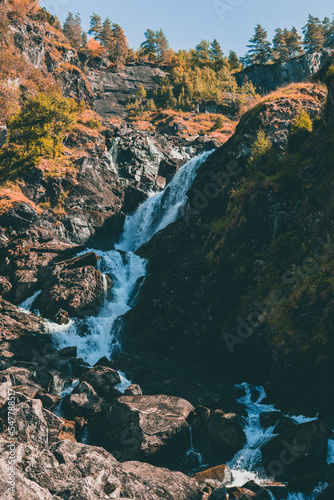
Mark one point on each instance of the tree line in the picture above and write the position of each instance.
(289, 43)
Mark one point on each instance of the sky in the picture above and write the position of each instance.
(187, 22)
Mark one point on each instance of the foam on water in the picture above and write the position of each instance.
(162, 209)
(26, 305)
(247, 463)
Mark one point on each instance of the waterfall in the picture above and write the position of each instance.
(160, 210)
(95, 336)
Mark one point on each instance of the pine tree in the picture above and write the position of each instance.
(72, 29)
(84, 39)
(233, 60)
(149, 47)
(162, 46)
(202, 53)
(120, 44)
(56, 23)
(259, 48)
(328, 27)
(280, 49)
(95, 26)
(217, 56)
(106, 36)
(293, 42)
(314, 37)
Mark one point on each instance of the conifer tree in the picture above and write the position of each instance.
(72, 29)
(233, 60)
(294, 42)
(280, 49)
(202, 53)
(314, 37)
(120, 45)
(149, 47)
(162, 46)
(328, 27)
(84, 39)
(95, 26)
(217, 56)
(260, 48)
(106, 36)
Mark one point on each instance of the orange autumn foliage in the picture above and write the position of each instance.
(94, 48)
(18, 8)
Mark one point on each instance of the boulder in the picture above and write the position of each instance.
(133, 390)
(103, 379)
(284, 424)
(148, 428)
(241, 494)
(82, 402)
(73, 286)
(219, 494)
(225, 433)
(220, 473)
(327, 494)
(296, 452)
(270, 418)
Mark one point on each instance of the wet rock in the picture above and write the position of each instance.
(49, 401)
(327, 494)
(284, 424)
(306, 484)
(82, 402)
(133, 390)
(220, 494)
(148, 428)
(296, 452)
(241, 494)
(269, 419)
(225, 434)
(221, 473)
(103, 379)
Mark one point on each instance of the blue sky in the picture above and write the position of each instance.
(186, 22)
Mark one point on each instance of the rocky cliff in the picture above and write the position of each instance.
(268, 77)
(217, 275)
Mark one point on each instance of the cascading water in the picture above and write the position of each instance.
(95, 336)
(247, 463)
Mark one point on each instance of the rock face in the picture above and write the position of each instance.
(194, 283)
(296, 452)
(148, 428)
(112, 90)
(269, 77)
(48, 49)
